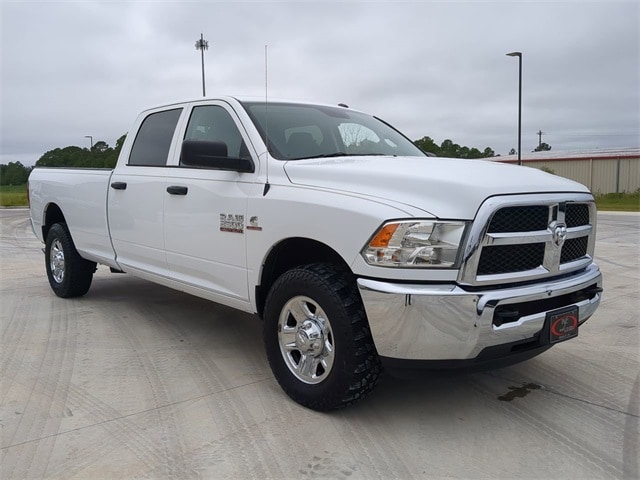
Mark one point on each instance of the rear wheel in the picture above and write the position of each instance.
(69, 274)
(317, 338)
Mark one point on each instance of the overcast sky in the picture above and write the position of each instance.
(71, 69)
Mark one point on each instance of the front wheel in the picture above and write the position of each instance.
(69, 274)
(317, 338)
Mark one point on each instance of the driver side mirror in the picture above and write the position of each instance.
(208, 154)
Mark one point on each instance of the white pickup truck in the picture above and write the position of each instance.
(356, 248)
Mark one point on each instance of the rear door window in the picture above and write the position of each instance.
(151, 146)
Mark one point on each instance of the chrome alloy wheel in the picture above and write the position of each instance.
(306, 340)
(56, 257)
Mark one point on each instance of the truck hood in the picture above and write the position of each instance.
(442, 187)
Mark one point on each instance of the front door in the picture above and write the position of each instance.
(205, 212)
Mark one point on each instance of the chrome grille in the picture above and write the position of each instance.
(577, 214)
(520, 219)
(510, 258)
(573, 249)
(522, 238)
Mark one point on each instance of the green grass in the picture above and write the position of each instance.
(621, 202)
(13, 195)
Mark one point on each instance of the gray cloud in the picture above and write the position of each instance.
(430, 68)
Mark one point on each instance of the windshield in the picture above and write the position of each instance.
(298, 131)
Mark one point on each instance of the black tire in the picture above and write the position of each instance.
(69, 274)
(342, 367)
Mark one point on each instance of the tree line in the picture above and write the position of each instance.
(449, 149)
(101, 155)
(14, 174)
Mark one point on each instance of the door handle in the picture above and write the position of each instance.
(177, 190)
(119, 185)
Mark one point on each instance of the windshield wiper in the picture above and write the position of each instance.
(323, 155)
(343, 154)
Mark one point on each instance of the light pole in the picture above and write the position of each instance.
(202, 45)
(90, 141)
(519, 55)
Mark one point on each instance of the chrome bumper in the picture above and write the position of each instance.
(446, 322)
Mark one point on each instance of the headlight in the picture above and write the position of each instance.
(418, 243)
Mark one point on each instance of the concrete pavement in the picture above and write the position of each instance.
(138, 381)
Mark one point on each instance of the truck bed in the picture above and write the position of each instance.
(81, 193)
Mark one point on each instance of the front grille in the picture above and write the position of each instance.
(522, 238)
(577, 215)
(573, 249)
(510, 258)
(520, 219)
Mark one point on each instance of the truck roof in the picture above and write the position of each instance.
(244, 98)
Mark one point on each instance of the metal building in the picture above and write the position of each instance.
(603, 170)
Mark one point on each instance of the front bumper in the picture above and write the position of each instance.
(444, 322)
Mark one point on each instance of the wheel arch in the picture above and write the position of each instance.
(52, 215)
(290, 253)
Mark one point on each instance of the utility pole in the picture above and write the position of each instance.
(202, 45)
(540, 133)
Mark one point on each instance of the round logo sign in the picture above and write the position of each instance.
(564, 325)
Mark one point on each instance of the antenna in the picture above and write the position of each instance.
(266, 123)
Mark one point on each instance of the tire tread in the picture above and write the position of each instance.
(78, 273)
(367, 368)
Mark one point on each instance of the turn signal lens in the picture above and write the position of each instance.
(382, 238)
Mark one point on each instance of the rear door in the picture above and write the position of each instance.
(137, 193)
(205, 211)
